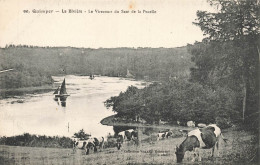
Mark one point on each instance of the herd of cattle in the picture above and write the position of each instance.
(203, 136)
(123, 136)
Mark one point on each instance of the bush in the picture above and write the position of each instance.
(223, 122)
(82, 135)
(37, 141)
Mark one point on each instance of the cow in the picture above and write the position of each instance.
(163, 135)
(160, 136)
(126, 135)
(101, 141)
(78, 143)
(191, 124)
(134, 134)
(88, 144)
(204, 138)
(95, 143)
(201, 125)
(184, 132)
(118, 143)
(129, 135)
(169, 134)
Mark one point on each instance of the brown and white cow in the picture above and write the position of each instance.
(169, 134)
(88, 144)
(128, 135)
(78, 143)
(160, 136)
(163, 135)
(204, 138)
(95, 143)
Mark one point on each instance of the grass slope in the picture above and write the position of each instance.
(240, 149)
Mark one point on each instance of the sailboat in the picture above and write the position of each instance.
(61, 91)
(128, 74)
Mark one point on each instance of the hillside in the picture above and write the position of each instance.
(34, 65)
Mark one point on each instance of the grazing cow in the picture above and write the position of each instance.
(163, 135)
(118, 143)
(201, 125)
(77, 143)
(134, 134)
(169, 134)
(204, 138)
(121, 135)
(126, 135)
(184, 132)
(88, 144)
(101, 143)
(95, 143)
(191, 124)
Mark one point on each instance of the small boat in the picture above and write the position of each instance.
(128, 74)
(61, 91)
(91, 77)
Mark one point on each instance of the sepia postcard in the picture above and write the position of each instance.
(129, 81)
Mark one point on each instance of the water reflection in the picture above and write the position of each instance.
(63, 103)
(62, 100)
(56, 100)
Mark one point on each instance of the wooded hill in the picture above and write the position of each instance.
(34, 65)
(223, 86)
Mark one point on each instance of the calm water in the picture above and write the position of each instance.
(40, 114)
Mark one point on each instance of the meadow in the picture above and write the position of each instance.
(240, 149)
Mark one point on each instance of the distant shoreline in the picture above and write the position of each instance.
(5, 93)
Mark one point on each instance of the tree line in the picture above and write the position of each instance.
(33, 66)
(30, 140)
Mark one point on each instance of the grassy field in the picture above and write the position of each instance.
(240, 149)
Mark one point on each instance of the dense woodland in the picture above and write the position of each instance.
(37, 141)
(223, 85)
(34, 66)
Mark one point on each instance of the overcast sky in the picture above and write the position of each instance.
(170, 26)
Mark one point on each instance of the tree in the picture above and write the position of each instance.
(82, 135)
(231, 46)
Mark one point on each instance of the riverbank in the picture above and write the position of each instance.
(113, 121)
(7, 93)
(240, 149)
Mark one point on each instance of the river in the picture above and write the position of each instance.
(40, 114)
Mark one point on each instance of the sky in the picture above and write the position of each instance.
(170, 26)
